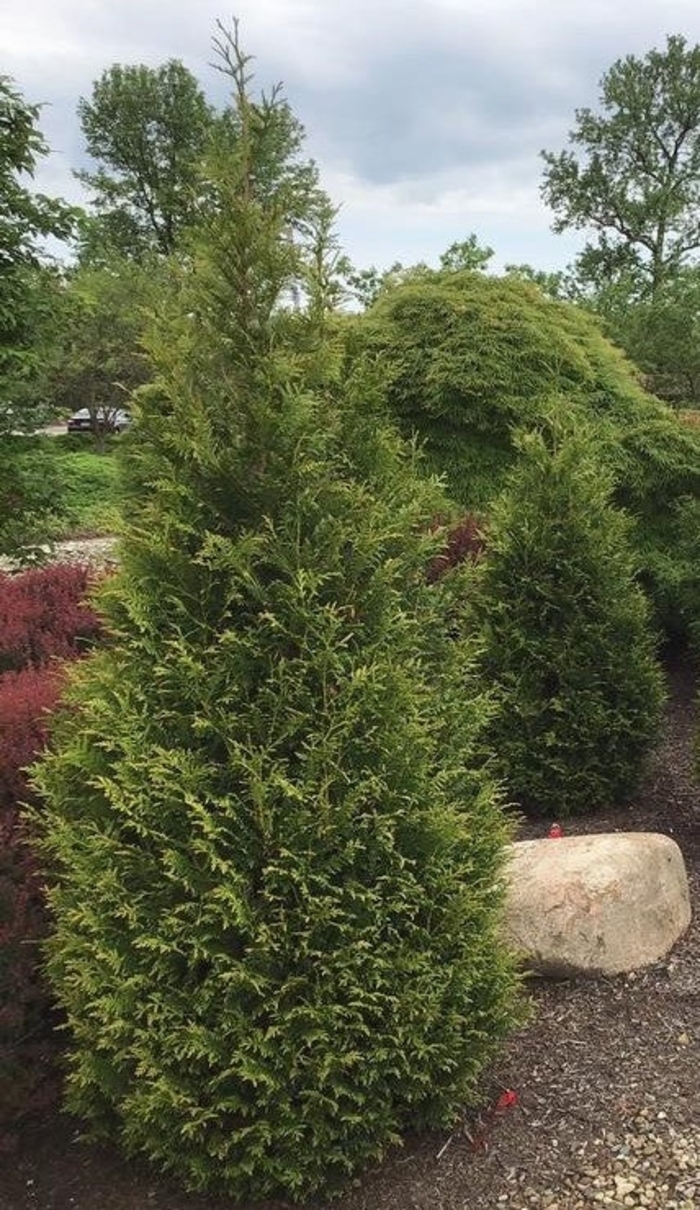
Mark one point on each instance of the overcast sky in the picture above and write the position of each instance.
(426, 116)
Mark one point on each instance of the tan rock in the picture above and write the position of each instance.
(598, 904)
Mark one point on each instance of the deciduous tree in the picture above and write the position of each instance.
(632, 176)
(147, 128)
(25, 218)
(95, 358)
(27, 292)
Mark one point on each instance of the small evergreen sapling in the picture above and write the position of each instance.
(275, 880)
(565, 627)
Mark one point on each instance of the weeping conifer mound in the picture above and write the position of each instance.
(276, 882)
(469, 360)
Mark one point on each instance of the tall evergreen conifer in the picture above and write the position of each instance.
(275, 879)
(567, 641)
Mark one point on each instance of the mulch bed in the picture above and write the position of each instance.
(598, 1058)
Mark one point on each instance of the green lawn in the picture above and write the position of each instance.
(88, 490)
(79, 485)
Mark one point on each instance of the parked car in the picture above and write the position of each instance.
(105, 420)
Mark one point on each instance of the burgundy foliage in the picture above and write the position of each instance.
(465, 540)
(44, 622)
(43, 615)
(26, 697)
(28, 1079)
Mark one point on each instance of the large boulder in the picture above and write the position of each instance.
(595, 905)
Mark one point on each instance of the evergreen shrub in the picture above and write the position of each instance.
(274, 873)
(566, 636)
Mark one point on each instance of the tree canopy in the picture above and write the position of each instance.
(25, 218)
(147, 128)
(632, 176)
(150, 130)
(94, 357)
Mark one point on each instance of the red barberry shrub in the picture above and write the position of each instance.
(27, 1076)
(465, 540)
(44, 621)
(44, 615)
(26, 697)
(28, 1073)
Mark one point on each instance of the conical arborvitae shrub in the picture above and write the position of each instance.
(567, 642)
(275, 880)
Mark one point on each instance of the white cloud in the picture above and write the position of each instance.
(426, 118)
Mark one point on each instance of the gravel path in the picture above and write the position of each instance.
(95, 552)
(608, 1072)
